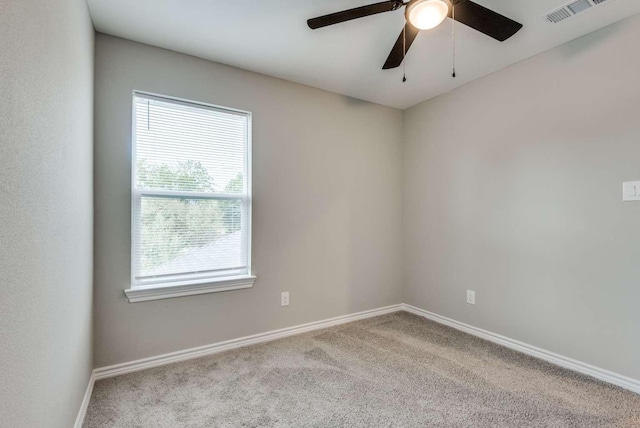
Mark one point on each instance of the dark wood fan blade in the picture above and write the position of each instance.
(485, 20)
(355, 13)
(401, 47)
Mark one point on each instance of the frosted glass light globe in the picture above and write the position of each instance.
(427, 14)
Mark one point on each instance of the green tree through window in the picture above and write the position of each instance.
(232, 216)
(175, 226)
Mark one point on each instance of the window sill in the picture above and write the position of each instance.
(168, 291)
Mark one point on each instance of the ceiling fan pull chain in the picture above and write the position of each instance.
(453, 28)
(404, 53)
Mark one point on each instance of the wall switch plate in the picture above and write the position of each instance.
(471, 297)
(284, 299)
(631, 191)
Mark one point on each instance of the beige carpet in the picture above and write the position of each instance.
(396, 370)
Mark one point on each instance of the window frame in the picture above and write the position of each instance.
(189, 283)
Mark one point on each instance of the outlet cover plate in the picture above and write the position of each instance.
(284, 299)
(631, 191)
(471, 297)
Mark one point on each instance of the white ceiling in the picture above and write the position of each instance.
(271, 37)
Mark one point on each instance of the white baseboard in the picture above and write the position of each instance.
(201, 351)
(85, 402)
(553, 358)
(188, 354)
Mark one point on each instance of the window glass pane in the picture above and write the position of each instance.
(191, 196)
(188, 147)
(179, 235)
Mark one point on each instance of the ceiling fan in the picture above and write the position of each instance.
(425, 15)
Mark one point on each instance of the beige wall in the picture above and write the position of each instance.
(513, 188)
(326, 209)
(46, 135)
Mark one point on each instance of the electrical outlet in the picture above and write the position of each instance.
(631, 191)
(284, 299)
(471, 297)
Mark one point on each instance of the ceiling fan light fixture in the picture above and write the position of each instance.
(427, 14)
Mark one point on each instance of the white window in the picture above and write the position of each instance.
(191, 198)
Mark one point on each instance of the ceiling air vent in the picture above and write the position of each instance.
(570, 10)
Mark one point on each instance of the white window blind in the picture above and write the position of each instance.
(191, 192)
